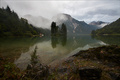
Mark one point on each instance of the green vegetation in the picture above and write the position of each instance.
(108, 39)
(111, 29)
(56, 31)
(63, 29)
(34, 57)
(35, 70)
(8, 71)
(11, 25)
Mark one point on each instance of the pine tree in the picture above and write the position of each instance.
(64, 29)
(93, 32)
(53, 28)
(11, 25)
(57, 30)
(8, 9)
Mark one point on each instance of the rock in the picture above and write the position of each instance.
(79, 53)
(29, 67)
(37, 71)
(62, 70)
(90, 73)
(115, 76)
(118, 77)
(85, 55)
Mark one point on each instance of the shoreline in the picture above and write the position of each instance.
(87, 60)
(103, 60)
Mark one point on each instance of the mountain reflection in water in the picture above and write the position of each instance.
(57, 48)
(50, 49)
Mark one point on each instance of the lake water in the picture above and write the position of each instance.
(50, 49)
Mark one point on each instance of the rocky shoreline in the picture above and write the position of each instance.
(101, 63)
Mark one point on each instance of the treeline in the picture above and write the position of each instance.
(57, 31)
(12, 25)
(113, 28)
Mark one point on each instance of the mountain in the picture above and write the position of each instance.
(12, 25)
(38, 21)
(99, 24)
(73, 26)
(113, 28)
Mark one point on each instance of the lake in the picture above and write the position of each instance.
(49, 49)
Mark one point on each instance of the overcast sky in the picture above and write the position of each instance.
(83, 10)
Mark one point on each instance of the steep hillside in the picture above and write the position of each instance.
(113, 28)
(12, 25)
(73, 26)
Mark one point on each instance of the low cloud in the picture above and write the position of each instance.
(83, 10)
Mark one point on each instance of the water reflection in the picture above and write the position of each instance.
(34, 59)
(58, 40)
(109, 39)
(13, 47)
(58, 48)
(63, 40)
(54, 41)
(50, 49)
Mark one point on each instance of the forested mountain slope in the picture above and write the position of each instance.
(12, 25)
(113, 28)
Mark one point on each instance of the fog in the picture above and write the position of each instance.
(82, 10)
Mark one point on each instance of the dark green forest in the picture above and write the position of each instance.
(57, 31)
(113, 28)
(12, 25)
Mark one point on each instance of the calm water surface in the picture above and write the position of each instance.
(50, 49)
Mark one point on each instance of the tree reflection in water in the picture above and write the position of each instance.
(36, 70)
(62, 40)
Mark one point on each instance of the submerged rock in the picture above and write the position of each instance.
(115, 76)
